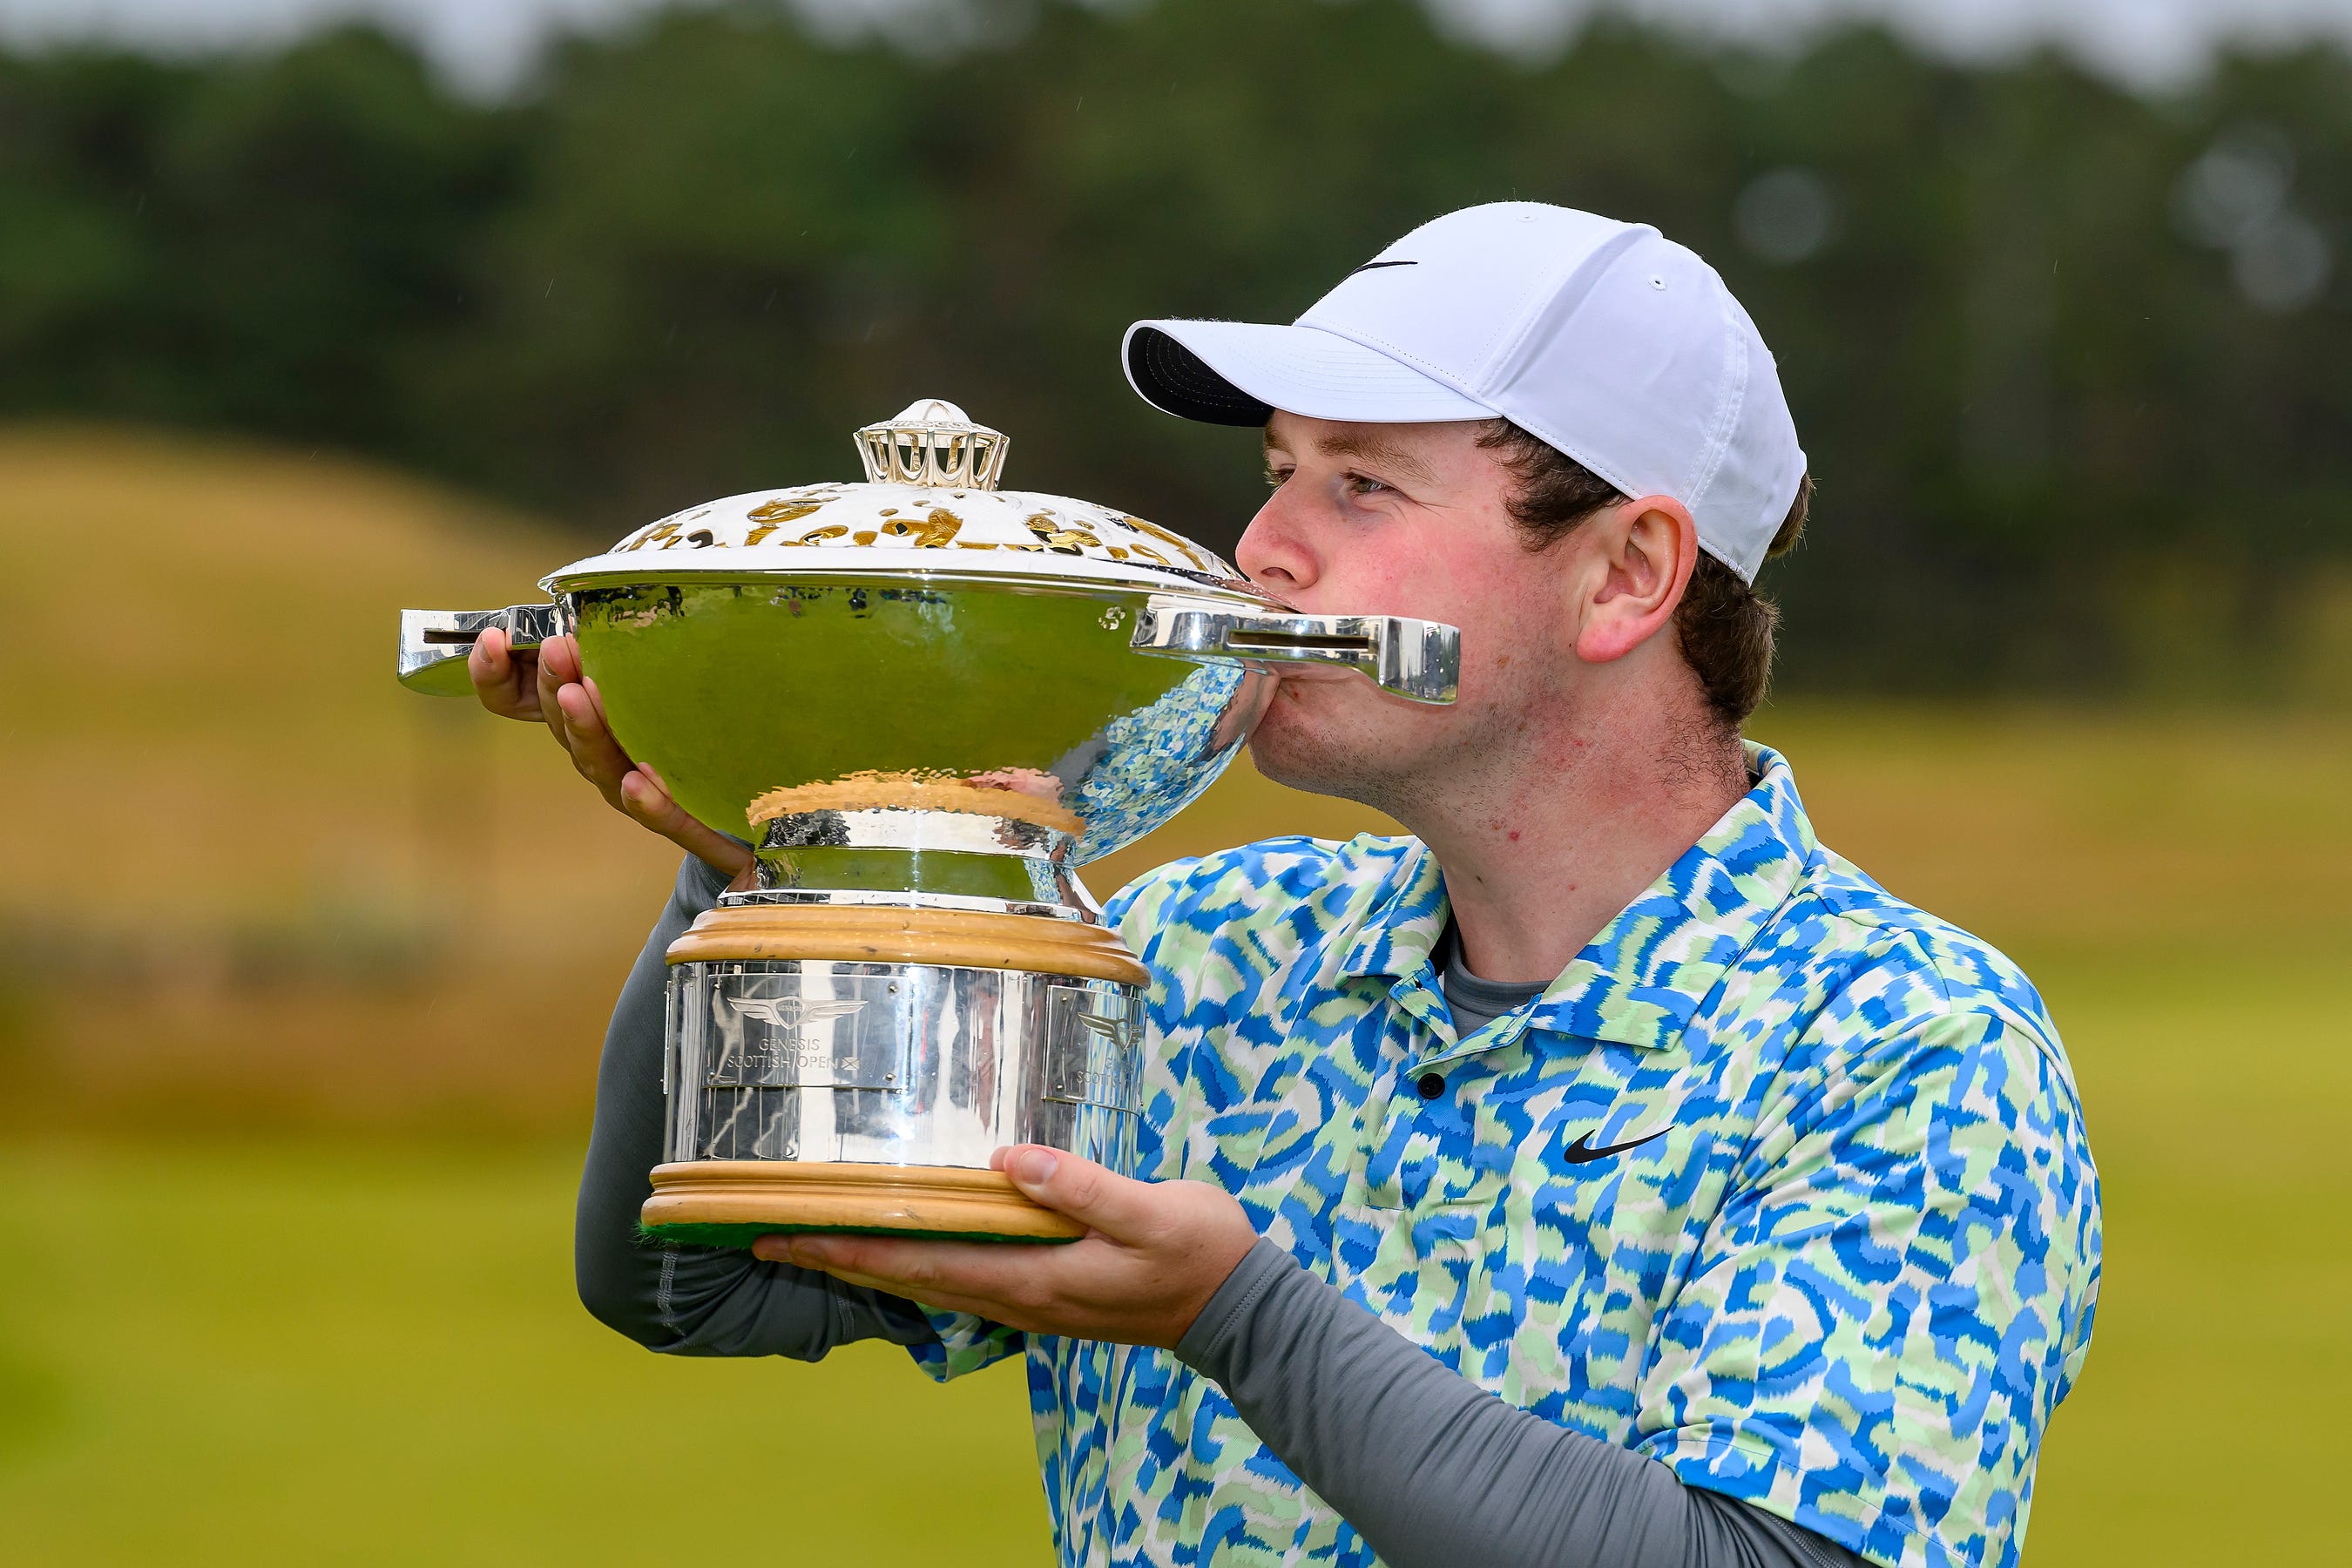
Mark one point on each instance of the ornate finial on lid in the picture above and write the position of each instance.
(933, 442)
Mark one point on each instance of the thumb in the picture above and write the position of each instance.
(1062, 1181)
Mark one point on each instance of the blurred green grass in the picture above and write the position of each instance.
(289, 1261)
(322, 1354)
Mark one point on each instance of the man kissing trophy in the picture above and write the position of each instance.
(1603, 1173)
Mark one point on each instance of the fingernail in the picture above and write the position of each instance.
(1034, 1167)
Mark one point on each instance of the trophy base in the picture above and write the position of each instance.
(730, 1203)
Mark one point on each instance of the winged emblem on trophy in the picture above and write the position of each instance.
(800, 1042)
(793, 1013)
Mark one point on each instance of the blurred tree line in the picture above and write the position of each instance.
(2070, 364)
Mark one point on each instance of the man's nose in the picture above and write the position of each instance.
(1274, 551)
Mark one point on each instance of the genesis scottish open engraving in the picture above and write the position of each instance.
(765, 1035)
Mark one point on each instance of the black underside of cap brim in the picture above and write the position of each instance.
(1174, 377)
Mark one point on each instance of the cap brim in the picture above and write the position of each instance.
(1239, 373)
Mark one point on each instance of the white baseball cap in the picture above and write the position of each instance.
(1604, 340)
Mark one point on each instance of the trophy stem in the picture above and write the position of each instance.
(851, 1068)
(893, 836)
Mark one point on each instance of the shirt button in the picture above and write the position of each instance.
(1431, 1085)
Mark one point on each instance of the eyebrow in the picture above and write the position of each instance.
(1367, 449)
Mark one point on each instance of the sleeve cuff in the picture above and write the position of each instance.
(706, 878)
(1209, 1345)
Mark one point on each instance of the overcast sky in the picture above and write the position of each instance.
(487, 45)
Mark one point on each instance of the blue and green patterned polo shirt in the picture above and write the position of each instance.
(1845, 1271)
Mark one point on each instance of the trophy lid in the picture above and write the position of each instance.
(928, 507)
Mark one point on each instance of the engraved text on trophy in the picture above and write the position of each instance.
(765, 1033)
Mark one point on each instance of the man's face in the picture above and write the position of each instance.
(1404, 519)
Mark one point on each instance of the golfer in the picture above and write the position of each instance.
(1605, 1174)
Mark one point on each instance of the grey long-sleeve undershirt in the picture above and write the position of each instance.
(692, 1301)
(1432, 1470)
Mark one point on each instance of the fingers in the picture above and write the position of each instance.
(593, 751)
(576, 714)
(996, 1274)
(486, 663)
(561, 655)
(558, 666)
(636, 791)
(644, 799)
(552, 687)
(502, 679)
(1145, 1287)
(1115, 1206)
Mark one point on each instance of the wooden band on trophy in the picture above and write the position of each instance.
(935, 1200)
(865, 933)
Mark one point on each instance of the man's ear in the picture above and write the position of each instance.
(1642, 553)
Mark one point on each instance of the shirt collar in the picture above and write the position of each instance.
(1641, 981)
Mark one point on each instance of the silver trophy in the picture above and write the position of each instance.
(925, 702)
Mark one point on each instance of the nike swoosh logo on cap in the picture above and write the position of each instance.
(1375, 266)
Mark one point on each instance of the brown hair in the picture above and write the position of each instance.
(1725, 625)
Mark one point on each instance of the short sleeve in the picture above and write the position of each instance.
(1140, 909)
(1893, 1301)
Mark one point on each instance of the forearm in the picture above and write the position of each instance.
(692, 1301)
(1435, 1471)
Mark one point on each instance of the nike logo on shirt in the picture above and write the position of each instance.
(1582, 1152)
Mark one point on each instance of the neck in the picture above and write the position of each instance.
(1542, 848)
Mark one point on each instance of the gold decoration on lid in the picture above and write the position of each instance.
(933, 442)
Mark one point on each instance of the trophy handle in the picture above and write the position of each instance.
(1420, 660)
(434, 643)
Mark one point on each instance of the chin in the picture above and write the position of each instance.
(1302, 742)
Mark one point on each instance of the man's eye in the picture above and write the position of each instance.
(1274, 477)
(1364, 484)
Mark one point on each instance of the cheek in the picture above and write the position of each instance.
(1513, 645)
(1363, 582)
(1495, 594)
(1464, 584)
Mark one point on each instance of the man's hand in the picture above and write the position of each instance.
(549, 688)
(1157, 1253)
